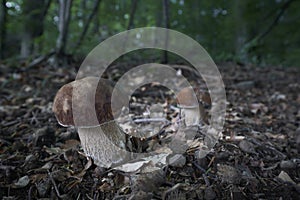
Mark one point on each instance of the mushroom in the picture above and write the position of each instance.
(191, 110)
(86, 104)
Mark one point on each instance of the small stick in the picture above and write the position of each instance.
(172, 189)
(211, 161)
(151, 120)
(235, 138)
(207, 183)
(54, 184)
(203, 170)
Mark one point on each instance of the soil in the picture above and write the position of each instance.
(257, 156)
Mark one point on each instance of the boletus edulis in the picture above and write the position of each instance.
(191, 110)
(86, 104)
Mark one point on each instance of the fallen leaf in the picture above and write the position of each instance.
(22, 182)
(285, 177)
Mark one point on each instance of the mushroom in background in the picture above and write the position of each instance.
(101, 137)
(191, 110)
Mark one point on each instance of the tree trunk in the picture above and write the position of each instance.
(33, 19)
(87, 24)
(26, 45)
(132, 13)
(63, 26)
(46, 8)
(165, 58)
(38, 46)
(240, 31)
(159, 15)
(95, 29)
(83, 5)
(280, 13)
(250, 46)
(3, 15)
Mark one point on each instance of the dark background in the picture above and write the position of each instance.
(249, 31)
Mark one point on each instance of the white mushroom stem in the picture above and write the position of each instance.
(105, 144)
(192, 111)
(191, 115)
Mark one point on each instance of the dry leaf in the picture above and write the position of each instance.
(22, 182)
(285, 177)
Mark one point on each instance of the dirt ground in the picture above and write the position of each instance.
(39, 159)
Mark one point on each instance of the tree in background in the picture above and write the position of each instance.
(33, 24)
(165, 58)
(3, 14)
(87, 24)
(63, 28)
(243, 31)
(132, 14)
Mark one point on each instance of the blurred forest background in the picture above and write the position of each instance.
(249, 31)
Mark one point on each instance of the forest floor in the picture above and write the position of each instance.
(40, 159)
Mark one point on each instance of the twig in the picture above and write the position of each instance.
(234, 138)
(207, 183)
(119, 197)
(30, 191)
(203, 170)
(211, 161)
(261, 179)
(40, 59)
(87, 24)
(54, 185)
(282, 9)
(89, 197)
(172, 189)
(146, 120)
(199, 167)
(271, 167)
(6, 124)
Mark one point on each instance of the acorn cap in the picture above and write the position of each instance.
(86, 103)
(187, 98)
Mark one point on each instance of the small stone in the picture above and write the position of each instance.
(245, 85)
(22, 182)
(202, 153)
(285, 177)
(297, 136)
(290, 126)
(297, 133)
(246, 146)
(177, 160)
(43, 187)
(148, 182)
(288, 164)
(222, 155)
(278, 96)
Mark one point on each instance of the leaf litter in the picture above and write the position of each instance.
(257, 155)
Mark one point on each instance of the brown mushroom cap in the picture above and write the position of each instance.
(92, 102)
(187, 97)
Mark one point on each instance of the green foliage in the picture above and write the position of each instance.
(228, 30)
